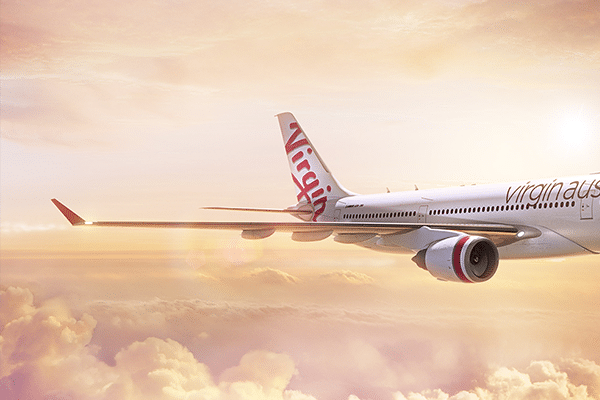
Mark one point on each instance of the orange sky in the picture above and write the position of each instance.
(143, 110)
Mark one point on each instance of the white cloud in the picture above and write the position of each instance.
(45, 353)
(272, 277)
(205, 350)
(352, 277)
(15, 303)
(157, 368)
(541, 380)
(23, 227)
(270, 370)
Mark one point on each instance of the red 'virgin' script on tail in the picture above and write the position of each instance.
(305, 187)
(291, 144)
(308, 184)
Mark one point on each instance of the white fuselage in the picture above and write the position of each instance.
(457, 234)
(565, 210)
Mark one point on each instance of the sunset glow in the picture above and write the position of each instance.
(151, 110)
(576, 130)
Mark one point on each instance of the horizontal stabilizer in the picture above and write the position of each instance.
(270, 210)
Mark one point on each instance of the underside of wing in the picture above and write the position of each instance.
(346, 232)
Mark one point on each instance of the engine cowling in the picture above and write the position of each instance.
(464, 258)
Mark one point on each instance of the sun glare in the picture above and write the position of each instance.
(575, 129)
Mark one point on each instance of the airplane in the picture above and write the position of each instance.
(457, 234)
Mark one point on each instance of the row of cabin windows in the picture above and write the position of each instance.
(470, 210)
(512, 207)
(399, 214)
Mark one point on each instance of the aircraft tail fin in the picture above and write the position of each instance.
(315, 185)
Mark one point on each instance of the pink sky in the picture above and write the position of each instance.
(143, 110)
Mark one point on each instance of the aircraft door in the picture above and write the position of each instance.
(587, 208)
(587, 203)
(422, 215)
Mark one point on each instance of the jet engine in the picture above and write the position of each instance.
(460, 259)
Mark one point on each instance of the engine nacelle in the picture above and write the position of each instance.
(460, 259)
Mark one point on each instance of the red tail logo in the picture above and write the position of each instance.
(308, 184)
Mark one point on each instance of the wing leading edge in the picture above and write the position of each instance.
(500, 234)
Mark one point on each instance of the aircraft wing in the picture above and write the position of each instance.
(350, 232)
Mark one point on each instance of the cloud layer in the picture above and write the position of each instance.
(46, 353)
(126, 350)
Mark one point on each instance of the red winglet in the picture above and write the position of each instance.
(73, 218)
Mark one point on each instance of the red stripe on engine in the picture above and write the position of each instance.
(456, 259)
